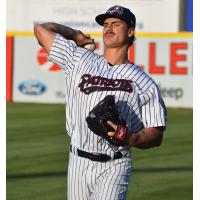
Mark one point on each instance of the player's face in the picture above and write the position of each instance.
(115, 33)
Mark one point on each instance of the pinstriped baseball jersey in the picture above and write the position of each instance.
(89, 78)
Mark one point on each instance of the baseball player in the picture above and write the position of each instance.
(97, 169)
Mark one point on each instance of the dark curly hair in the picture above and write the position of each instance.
(131, 40)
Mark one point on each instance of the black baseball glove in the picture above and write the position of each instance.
(97, 121)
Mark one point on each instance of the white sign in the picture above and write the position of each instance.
(167, 59)
(35, 79)
(151, 15)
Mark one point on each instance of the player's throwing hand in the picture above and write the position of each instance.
(82, 39)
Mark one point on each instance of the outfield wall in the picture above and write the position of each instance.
(166, 57)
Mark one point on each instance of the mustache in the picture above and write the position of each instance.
(109, 32)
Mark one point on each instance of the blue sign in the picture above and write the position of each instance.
(32, 87)
(189, 15)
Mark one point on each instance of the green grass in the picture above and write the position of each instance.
(37, 156)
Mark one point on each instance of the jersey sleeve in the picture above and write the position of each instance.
(153, 108)
(63, 53)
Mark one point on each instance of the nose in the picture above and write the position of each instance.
(109, 28)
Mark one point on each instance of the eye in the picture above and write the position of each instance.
(116, 24)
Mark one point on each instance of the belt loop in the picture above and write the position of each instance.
(73, 149)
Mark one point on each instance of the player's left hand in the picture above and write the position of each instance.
(113, 126)
(120, 132)
(115, 131)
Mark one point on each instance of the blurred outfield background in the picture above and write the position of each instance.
(37, 144)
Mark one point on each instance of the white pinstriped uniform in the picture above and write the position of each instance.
(89, 78)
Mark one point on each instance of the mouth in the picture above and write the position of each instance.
(109, 35)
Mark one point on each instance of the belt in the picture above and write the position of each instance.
(97, 157)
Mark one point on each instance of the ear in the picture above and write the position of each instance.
(131, 32)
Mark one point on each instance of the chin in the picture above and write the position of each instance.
(110, 44)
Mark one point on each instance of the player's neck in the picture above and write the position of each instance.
(116, 56)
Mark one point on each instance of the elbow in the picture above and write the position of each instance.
(158, 143)
(37, 30)
(158, 140)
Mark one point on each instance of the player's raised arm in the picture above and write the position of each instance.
(45, 34)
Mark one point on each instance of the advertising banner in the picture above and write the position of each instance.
(169, 61)
(35, 79)
(165, 57)
(151, 15)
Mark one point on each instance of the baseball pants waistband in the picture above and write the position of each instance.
(97, 157)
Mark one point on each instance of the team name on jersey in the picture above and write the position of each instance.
(91, 84)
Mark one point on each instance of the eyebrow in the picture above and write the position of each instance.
(112, 22)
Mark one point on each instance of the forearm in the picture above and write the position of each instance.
(65, 31)
(146, 138)
(45, 34)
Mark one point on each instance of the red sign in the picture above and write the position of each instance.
(174, 57)
(42, 59)
(9, 67)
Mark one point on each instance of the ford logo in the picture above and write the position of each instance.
(32, 87)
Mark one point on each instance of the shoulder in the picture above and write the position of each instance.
(67, 45)
(61, 42)
(141, 80)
